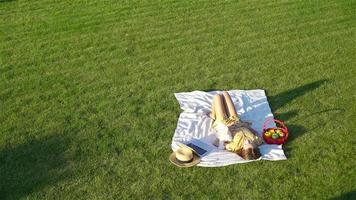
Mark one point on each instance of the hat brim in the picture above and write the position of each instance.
(175, 161)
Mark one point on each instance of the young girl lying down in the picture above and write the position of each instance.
(233, 134)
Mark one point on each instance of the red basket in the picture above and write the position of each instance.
(282, 127)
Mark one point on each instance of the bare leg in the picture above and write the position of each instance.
(230, 105)
(212, 115)
(219, 108)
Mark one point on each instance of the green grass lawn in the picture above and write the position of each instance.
(87, 109)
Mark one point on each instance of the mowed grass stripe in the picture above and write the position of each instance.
(271, 48)
(286, 41)
(149, 27)
(267, 61)
(287, 23)
(112, 14)
(285, 31)
(129, 14)
(152, 10)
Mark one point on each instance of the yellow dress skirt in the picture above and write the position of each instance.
(240, 132)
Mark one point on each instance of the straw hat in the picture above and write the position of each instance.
(184, 157)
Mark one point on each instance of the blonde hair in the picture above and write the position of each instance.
(249, 154)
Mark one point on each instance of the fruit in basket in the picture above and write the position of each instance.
(281, 134)
(275, 135)
(268, 134)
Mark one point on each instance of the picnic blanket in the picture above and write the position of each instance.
(194, 122)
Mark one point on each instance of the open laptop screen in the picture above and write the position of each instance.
(197, 149)
(200, 147)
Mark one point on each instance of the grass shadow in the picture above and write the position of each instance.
(283, 98)
(212, 89)
(346, 196)
(29, 167)
(295, 131)
(330, 110)
(286, 115)
(5, 1)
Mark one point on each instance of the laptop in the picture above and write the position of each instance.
(200, 147)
